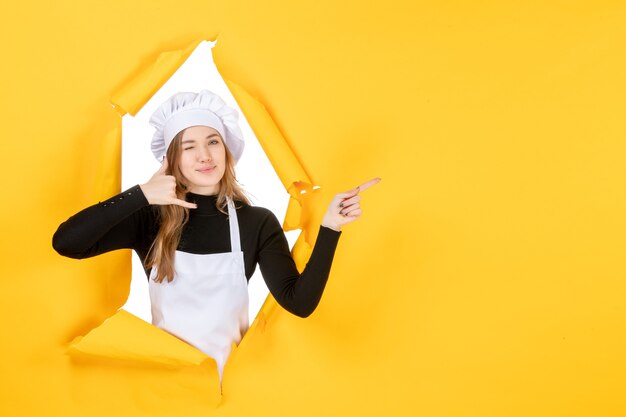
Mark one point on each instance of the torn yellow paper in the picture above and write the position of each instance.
(126, 337)
(289, 169)
(287, 166)
(134, 94)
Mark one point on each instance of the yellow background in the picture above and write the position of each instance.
(486, 275)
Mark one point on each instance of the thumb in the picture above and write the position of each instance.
(163, 167)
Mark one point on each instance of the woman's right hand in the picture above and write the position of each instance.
(161, 189)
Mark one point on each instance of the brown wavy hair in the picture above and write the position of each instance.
(173, 217)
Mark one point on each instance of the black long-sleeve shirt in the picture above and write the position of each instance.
(127, 220)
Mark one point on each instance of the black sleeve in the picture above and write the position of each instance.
(114, 224)
(297, 293)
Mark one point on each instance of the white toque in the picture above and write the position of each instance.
(187, 109)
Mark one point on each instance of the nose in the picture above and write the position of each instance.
(204, 154)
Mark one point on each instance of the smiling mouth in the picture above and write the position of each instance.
(206, 170)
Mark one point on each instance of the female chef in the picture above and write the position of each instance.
(197, 235)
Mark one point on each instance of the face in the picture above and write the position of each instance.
(202, 159)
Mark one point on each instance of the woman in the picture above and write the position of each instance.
(197, 235)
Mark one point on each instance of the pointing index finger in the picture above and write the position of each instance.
(368, 184)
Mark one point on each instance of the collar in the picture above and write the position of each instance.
(206, 204)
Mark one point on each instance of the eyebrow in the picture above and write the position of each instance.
(191, 140)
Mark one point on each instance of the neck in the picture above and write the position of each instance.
(206, 203)
(209, 190)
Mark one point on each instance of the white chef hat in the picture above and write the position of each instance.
(187, 109)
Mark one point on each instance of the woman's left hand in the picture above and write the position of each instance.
(345, 207)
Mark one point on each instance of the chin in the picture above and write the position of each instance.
(204, 183)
